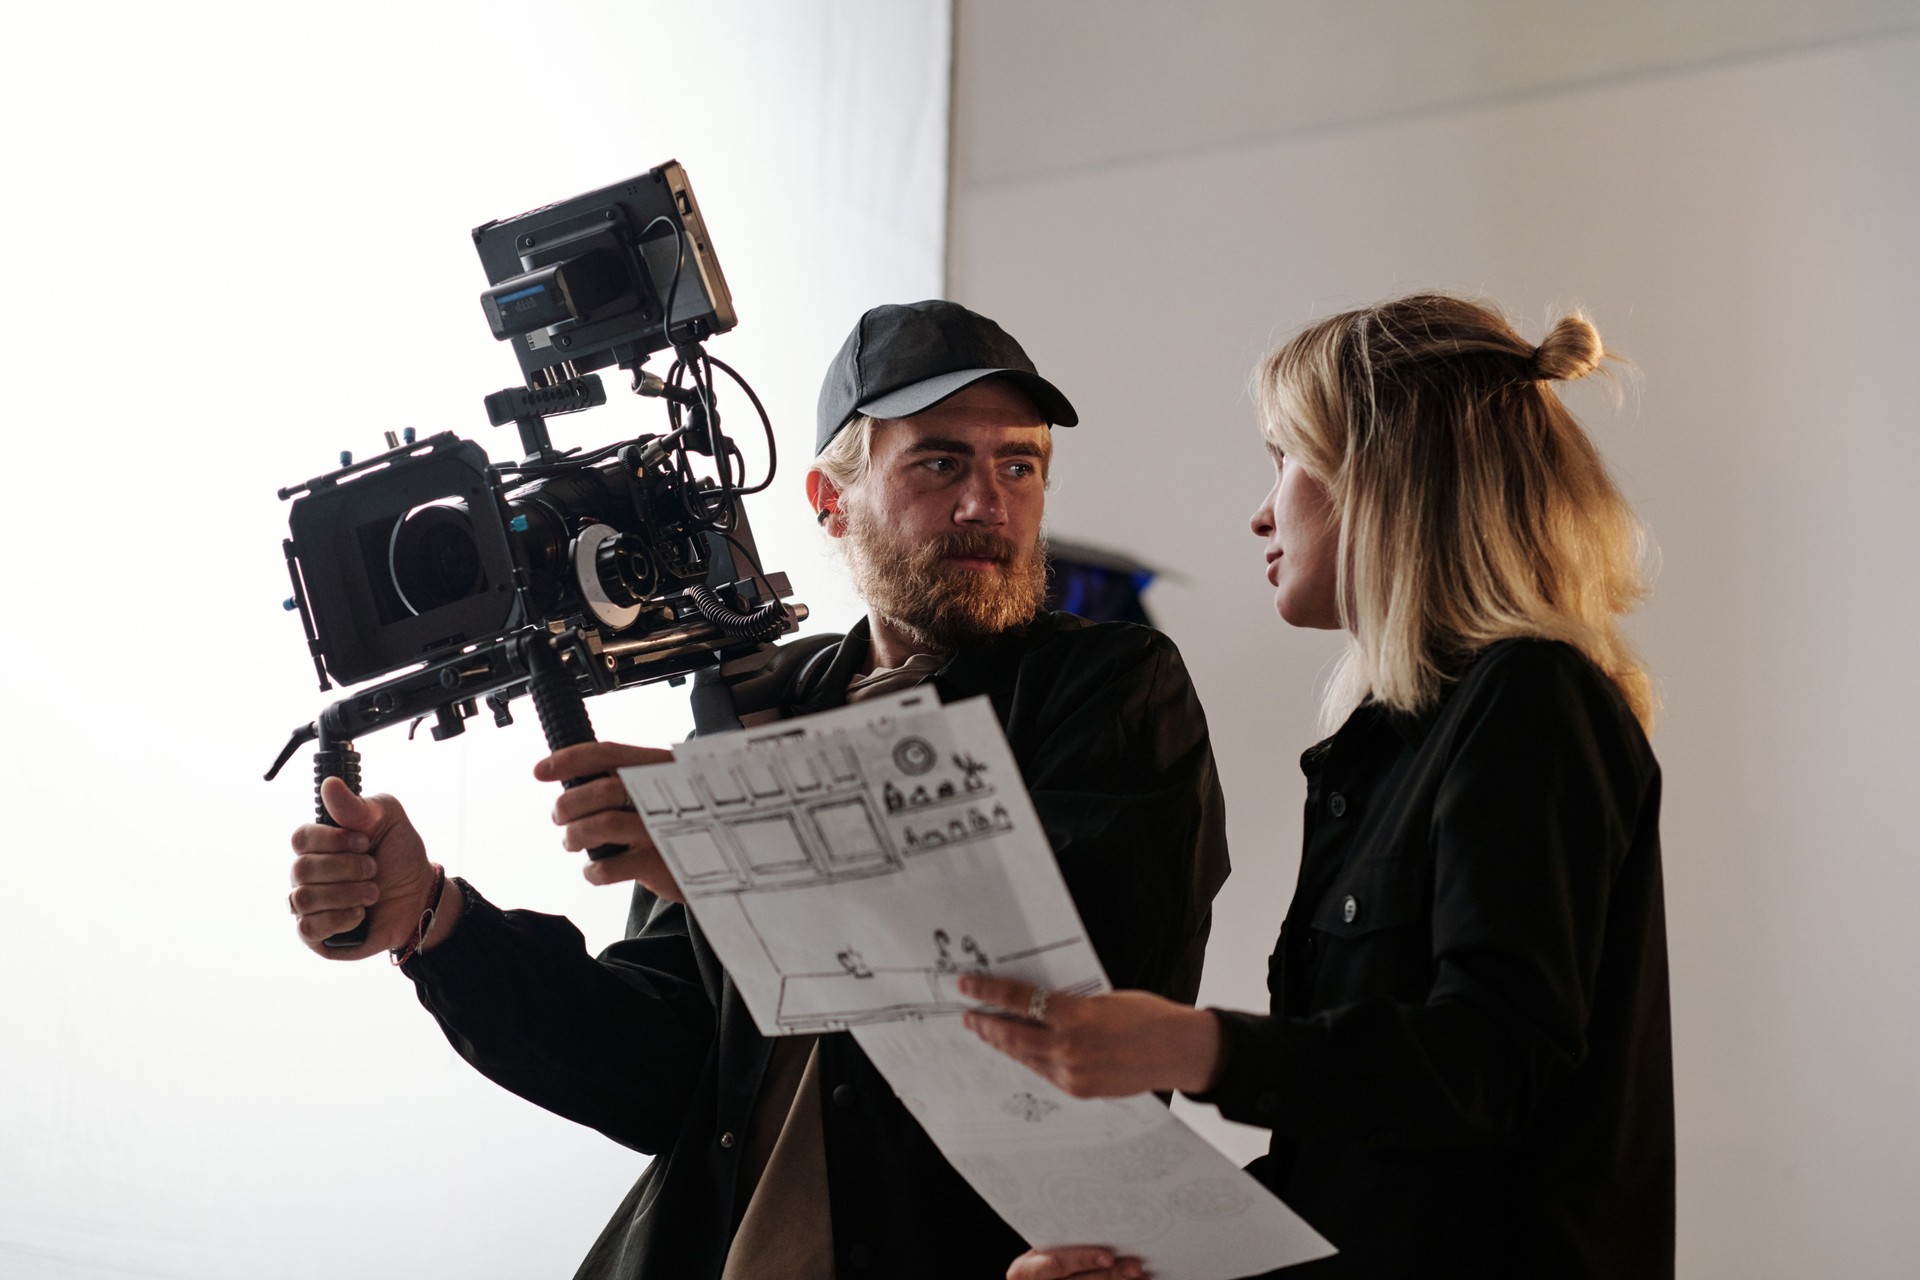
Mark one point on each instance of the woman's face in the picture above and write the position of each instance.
(1297, 521)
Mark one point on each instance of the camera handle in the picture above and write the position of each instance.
(563, 713)
(336, 759)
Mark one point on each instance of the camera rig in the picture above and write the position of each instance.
(454, 580)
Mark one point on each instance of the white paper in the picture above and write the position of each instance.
(1121, 1172)
(847, 868)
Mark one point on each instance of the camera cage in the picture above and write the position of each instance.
(451, 579)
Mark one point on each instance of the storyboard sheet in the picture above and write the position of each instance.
(848, 868)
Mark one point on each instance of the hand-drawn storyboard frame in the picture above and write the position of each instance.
(850, 866)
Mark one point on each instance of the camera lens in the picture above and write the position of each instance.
(433, 557)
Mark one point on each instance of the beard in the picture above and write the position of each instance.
(944, 606)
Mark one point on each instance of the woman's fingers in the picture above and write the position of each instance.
(1074, 1262)
(1023, 1040)
(1003, 993)
(1040, 1049)
(1105, 1046)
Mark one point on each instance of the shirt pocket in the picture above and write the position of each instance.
(1381, 893)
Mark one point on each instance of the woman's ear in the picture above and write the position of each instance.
(825, 501)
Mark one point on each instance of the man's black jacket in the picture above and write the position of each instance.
(1469, 1064)
(651, 1044)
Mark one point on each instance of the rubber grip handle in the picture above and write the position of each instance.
(342, 763)
(564, 719)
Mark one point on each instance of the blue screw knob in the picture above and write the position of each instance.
(407, 434)
(518, 524)
(289, 604)
(346, 458)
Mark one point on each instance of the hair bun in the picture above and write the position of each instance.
(1570, 352)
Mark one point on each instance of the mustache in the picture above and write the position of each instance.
(977, 544)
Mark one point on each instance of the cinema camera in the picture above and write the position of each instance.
(567, 574)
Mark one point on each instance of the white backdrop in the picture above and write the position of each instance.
(1151, 196)
(239, 241)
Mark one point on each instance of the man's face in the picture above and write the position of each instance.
(943, 532)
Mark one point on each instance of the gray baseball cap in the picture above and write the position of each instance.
(900, 360)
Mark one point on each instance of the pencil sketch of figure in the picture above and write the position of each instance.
(972, 768)
(1028, 1107)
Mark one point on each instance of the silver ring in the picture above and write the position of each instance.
(1037, 1006)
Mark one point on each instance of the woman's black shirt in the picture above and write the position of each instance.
(1468, 1067)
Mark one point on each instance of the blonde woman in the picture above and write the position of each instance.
(1467, 1063)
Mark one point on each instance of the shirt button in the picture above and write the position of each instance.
(1350, 908)
(843, 1095)
(1337, 805)
(1267, 1103)
(726, 1139)
(860, 1256)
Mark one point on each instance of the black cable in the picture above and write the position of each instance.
(673, 283)
(715, 512)
(766, 423)
(764, 623)
(569, 461)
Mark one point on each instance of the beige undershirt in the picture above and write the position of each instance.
(786, 1232)
(893, 679)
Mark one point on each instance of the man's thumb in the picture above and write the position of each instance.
(350, 811)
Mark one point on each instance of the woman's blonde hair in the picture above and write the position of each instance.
(1472, 507)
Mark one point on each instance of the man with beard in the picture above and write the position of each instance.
(792, 1158)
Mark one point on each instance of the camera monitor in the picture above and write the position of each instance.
(587, 282)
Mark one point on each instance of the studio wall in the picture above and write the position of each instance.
(1152, 196)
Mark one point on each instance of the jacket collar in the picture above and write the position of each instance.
(986, 668)
(1414, 726)
(1411, 726)
(848, 657)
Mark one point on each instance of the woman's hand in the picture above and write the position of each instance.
(1107, 1046)
(597, 812)
(1076, 1262)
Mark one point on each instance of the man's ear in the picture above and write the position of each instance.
(824, 498)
